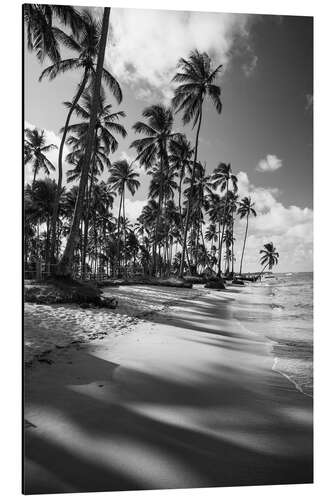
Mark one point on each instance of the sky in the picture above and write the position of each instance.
(265, 129)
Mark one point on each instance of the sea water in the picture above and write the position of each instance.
(290, 298)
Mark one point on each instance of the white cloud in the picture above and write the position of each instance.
(269, 164)
(145, 45)
(290, 228)
(133, 208)
(250, 66)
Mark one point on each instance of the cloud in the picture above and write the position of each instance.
(133, 208)
(250, 65)
(269, 164)
(145, 45)
(290, 228)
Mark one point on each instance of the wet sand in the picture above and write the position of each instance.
(186, 399)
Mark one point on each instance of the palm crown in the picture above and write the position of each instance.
(222, 176)
(106, 123)
(246, 207)
(39, 21)
(196, 77)
(270, 256)
(158, 132)
(85, 43)
(123, 175)
(35, 149)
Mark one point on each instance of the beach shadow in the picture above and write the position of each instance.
(100, 425)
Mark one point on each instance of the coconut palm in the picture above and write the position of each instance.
(196, 78)
(85, 44)
(39, 21)
(180, 156)
(223, 178)
(122, 176)
(107, 122)
(153, 149)
(269, 258)
(245, 209)
(35, 150)
(64, 266)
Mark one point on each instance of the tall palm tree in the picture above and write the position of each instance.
(107, 122)
(222, 178)
(245, 209)
(122, 176)
(64, 266)
(180, 156)
(85, 43)
(35, 150)
(196, 78)
(153, 149)
(269, 258)
(39, 20)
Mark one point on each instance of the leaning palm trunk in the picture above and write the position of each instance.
(64, 266)
(189, 203)
(261, 272)
(61, 149)
(241, 262)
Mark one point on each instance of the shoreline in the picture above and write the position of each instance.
(186, 399)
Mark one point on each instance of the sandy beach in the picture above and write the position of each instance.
(174, 389)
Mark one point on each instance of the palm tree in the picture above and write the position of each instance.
(153, 149)
(222, 177)
(180, 156)
(122, 176)
(269, 258)
(39, 21)
(85, 43)
(196, 78)
(245, 209)
(107, 122)
(35, 149)
(64, 266)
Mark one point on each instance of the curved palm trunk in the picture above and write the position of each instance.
(261, 272)
(241, 262)
(61, 149)
(65, 265)
(189, 203)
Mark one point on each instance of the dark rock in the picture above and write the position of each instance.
(108, 302)
(237, 282)
(85, 305)
(215, 283)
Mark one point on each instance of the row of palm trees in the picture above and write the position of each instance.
(75, 227)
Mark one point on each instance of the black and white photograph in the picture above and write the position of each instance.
(167, 249)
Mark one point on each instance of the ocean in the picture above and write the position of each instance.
(281, 309)
(291, 329)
